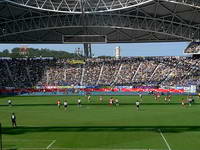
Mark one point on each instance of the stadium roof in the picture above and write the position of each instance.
(46, 21)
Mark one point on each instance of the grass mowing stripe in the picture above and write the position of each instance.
(87, 149)
(101, 149)
(105, 127)
(20, 140)
(51, 144)
(168, 146)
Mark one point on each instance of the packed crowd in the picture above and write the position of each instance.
(23, 73)
(193, 47)
(167, 71)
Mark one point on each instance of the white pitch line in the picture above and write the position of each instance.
(168, 146)
(50, 144)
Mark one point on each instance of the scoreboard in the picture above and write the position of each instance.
(68, 39)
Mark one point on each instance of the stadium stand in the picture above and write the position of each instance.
(168, 71)
(193, 48)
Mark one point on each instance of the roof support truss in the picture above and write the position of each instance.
(156, 25)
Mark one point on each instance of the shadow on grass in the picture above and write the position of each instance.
(164, 129)
(90, 104)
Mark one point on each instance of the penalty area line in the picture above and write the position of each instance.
(163, 137)
(50, 144)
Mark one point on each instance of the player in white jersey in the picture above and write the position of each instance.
(65, 105)
(101, 99)
(137, 104)
(9, 102)
(116, 102)
(166, 97)
(13, 120)
(79, 102)
(111, 101)
(190, 101)
(169, 99)
(141, 97)
(89, 98)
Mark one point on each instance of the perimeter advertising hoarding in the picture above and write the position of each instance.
(187, 89)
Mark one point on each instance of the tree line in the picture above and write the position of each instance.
(34, 52)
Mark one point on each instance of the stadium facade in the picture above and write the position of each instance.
(48, 21)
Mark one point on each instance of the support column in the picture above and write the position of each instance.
(87, 50)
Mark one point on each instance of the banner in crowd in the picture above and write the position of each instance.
(5, 58)
(120, 87)
(43, 58)
(79, 87)
(76, 61)
(54, 87)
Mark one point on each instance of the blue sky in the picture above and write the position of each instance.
(133, 49)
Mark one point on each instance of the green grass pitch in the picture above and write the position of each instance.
(98, 126)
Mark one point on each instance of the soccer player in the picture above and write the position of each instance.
(183, 102)
(65, 105)
(158, 96)
(137, 104)
(13, 120)
(111, 101)
(101, 99)
(166, 97)
(190, 101)
(58, 103)
(116, 102)
(79, 102)
(9, 103)
(141, 97)
(169, 99)
(89, 98)
(155, 97)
